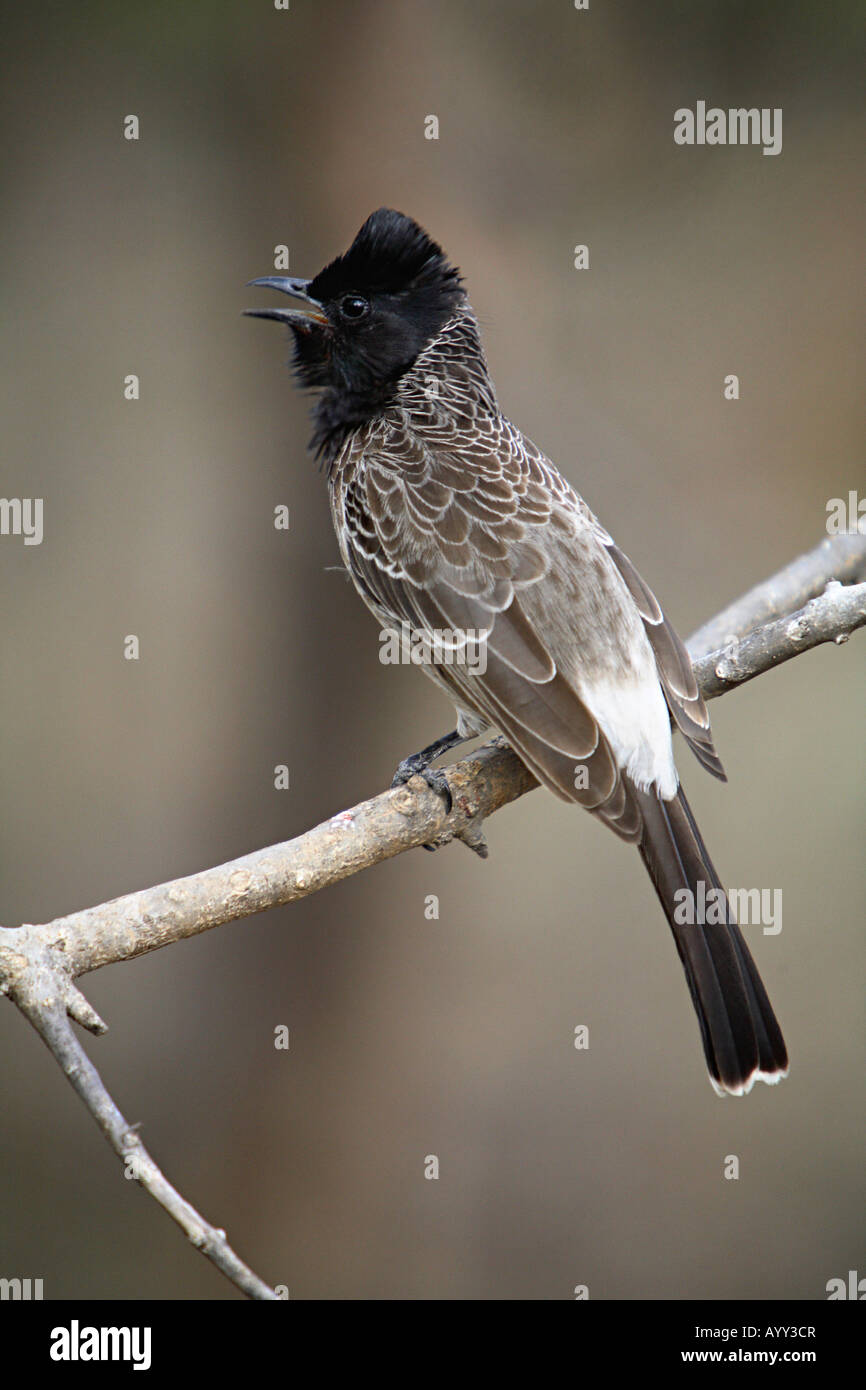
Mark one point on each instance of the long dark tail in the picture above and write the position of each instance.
(743, 1043)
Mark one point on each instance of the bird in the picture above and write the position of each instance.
(450, 521)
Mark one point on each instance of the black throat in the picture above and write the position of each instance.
(339, 412)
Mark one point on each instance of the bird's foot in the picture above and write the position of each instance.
(418, 766)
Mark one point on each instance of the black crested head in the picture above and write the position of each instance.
(391, 255)
(373, 310)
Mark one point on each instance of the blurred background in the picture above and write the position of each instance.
(411, 1036)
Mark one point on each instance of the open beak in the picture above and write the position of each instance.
(295, 318)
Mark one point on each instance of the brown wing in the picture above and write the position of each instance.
(448, 543)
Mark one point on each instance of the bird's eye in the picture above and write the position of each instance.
(353, 306)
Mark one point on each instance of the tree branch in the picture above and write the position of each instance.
(831, 617)
(49, 1011)
(799, 608)
(837, 557)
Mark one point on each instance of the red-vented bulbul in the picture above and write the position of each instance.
(451, 522)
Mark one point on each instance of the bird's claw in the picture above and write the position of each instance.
(436, 780)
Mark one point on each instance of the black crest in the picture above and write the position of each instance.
(391, 255)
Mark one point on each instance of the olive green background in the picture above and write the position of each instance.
(412, 1037)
